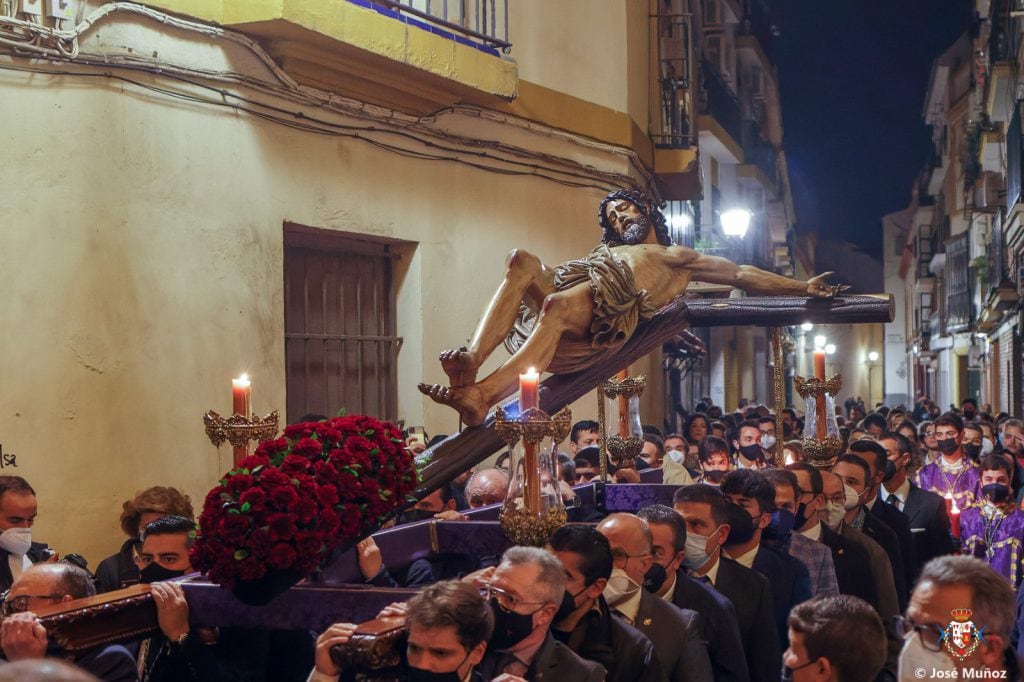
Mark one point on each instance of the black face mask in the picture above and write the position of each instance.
(740, 533)
(997, 492)
(890, 470)
(510, 628)
(420, 675)
(714, 476)
(155, 573)
(752, 452)
(655, 577)
(968, 415)
(801, 516)
(972, 450)
(568, 605)
(947, 446)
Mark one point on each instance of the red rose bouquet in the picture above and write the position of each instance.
(286, 507)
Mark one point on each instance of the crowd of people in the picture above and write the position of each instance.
(900, 561)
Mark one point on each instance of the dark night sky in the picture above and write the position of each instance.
(853, 77)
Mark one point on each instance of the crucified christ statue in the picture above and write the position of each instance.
(579, 313)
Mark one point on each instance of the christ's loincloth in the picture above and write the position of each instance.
(618, 308)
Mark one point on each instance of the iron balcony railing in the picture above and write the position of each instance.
(957, 278)
(758, 152)
(672, 124)
(720, 102)
(477, 23)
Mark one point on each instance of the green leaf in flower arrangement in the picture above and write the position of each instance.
(368, 433)
(233, 510)
(256, 469)
(246, 506)
(374, 451)
(342, 412)
(241, 554)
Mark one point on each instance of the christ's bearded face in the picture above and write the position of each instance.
(631, 224)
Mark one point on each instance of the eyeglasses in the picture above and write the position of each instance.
(931, 633)
(620, 556)
(19, 604)
(506, 600)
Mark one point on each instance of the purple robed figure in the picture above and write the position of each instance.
(964, 483)
(995, 535)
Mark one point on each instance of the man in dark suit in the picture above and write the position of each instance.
(526, 589)
(674, 632)
(705, 512)
(17, 514)
(849, 559)
(590, 629)
(926, 511)
(753, 497)
(855, 474)
(877, 458)
(718, 616)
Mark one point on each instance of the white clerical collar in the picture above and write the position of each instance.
(813, 533)
(747, 558)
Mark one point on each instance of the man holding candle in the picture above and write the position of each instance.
(582, 312)
(952, 475)
(993, 530)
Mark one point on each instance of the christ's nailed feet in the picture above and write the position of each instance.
(466, 400)
(460, 366)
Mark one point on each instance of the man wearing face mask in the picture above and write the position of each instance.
(718, 616)
(175, 653)
(953, 474)
(926, 511)
(879, 466)
(526, 590)
(815, 556)
(840, 499)
(713, 456)
(447, 625)
(705, 511)
(994, 530)
(747, 443)
(855, 474)
(17, 514)
(949, 584)
(969, 409)
(973, 441)
(675, 633)
(848, 558)
(753, 498)
(585, 622)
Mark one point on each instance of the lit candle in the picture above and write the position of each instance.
(819, 364)
(954, 516)
(241, 389)
(528, 386)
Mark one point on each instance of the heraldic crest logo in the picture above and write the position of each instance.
(961, 637)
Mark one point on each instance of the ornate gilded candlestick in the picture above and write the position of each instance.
(240, 430)
(622, 447)
(821, 441)
(533, 507)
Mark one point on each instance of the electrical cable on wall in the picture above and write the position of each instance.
(62, 45)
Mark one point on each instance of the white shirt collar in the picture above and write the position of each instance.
(814, 532)
(631, 606)
(747, 558)
(712, 573)
(901, 493)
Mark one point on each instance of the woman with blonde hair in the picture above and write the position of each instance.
(119, 570)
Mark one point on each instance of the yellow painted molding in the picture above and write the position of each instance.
(710, 124)
(347, 24)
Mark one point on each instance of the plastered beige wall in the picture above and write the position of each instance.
(143, 270)
(595, 50)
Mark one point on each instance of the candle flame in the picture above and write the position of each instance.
(532, 370)
(955, 509)
(243, 377)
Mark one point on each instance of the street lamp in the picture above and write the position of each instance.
(872, 360)
(735, 222)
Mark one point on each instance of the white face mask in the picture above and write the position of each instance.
(676, 456)
(852, 498)
(696, 550)
(915, 657)
(767, 441)
(16, 540)
(620, 587)
(986, 446)
(834, 513)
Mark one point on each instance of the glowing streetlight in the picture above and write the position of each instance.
(873, 356)
(735, 222)
(807, 326)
